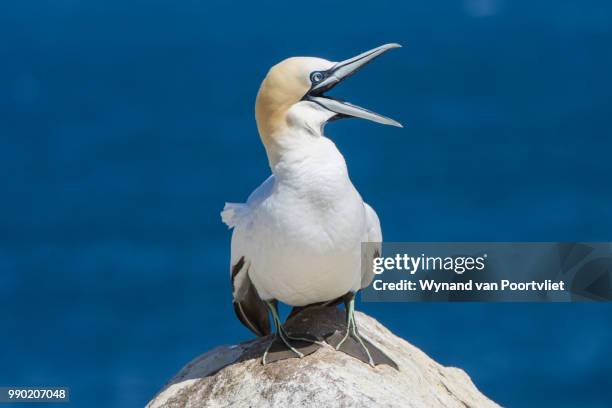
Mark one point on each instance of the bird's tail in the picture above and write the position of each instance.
(296, 310)
(233, 213)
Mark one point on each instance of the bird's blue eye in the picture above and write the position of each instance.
(316, 77)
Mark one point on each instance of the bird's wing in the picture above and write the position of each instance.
(373, 234)
(250, 309)
(248, 306)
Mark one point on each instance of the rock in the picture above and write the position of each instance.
(233, 376)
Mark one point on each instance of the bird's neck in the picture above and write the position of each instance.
(294, 131)
(305, 159)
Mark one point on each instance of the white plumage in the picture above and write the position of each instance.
(300, 232)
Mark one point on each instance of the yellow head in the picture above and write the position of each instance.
(286, 84)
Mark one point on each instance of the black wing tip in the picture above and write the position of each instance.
(251, 310)
(255, 328)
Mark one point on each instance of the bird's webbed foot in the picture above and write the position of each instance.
(352, 343)
(284, 346)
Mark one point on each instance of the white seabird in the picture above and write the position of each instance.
(298, 237)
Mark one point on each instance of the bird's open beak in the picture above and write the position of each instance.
(337, 74)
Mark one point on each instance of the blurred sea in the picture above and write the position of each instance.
(125, 126)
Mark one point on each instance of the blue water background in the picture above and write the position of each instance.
(126, 125)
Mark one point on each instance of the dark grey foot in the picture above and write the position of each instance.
(361, 350)
(351, 343)
(285, 346)
(290, 347)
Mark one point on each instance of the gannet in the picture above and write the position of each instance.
(297, 239)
